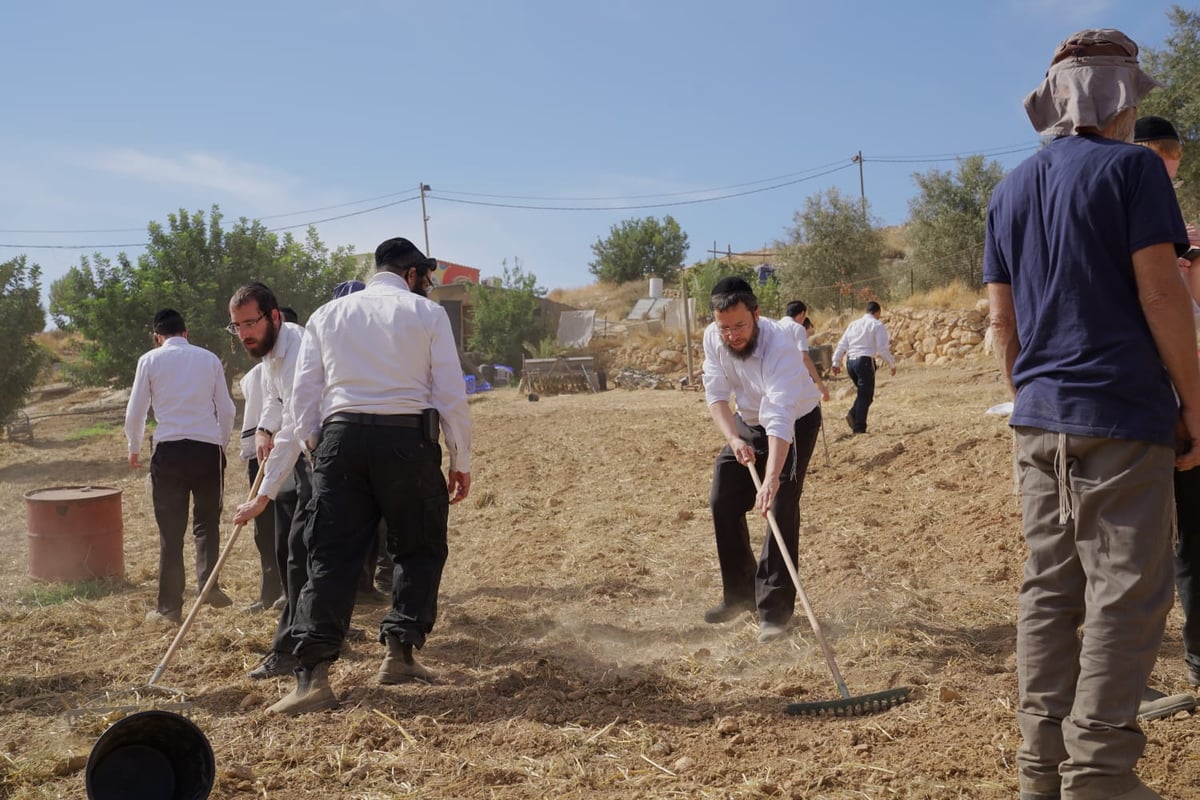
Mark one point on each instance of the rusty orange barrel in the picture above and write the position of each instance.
(76, 533)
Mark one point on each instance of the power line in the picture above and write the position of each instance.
(644, 196)
(143, 244)
(644, 205)
(777, 182)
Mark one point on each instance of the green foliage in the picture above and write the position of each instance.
(98, 429)
(832, 255)
(704, 276)
(503, 317)
(193, 266)
(40, 595)
(1177, 67)
(947, 222)
(640, 247)
(547, 347)
(21, 316)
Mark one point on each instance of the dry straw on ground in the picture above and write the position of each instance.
(572, 656)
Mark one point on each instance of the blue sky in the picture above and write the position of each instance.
(119, 113)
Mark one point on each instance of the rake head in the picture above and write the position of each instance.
(857, 706)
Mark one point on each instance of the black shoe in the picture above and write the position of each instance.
(850, 421)
(1193, 676)
(274, 665)
(371, 597)
(727, 611)
(218, 599)
(280, 603)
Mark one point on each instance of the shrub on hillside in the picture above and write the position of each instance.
(21, 316)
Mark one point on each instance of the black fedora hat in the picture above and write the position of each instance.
(400, 254)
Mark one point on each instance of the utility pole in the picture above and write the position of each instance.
(425, 217)
(862, 192)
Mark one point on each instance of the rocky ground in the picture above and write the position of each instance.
(572, 657)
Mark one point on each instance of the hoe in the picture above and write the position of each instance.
(848, 705)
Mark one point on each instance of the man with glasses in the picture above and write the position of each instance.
(256, 320)
(756, 363)
(194, 413)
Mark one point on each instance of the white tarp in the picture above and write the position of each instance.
(575, 328)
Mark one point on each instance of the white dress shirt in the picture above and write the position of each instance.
(383, 350)
(772, 387)
(186, 386)
(866, 336)
(797, 331)
(252, 391)
(279, 367)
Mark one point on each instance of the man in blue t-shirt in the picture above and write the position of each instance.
(1092, 328)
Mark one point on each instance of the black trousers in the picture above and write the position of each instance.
(764, 580)
(270, 586)
(1187, 560)
(292, 507)
(862, 372)
(183, 472)
(364, 472)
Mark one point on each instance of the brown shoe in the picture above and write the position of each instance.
(399, 666)
(312, 693)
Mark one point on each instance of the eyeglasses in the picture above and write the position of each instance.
(739, 329)
(234, 328)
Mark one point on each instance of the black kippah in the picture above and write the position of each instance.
(730, 285)
(1150, 129)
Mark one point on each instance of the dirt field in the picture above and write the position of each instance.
(572, 656)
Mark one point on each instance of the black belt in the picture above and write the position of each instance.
(389, 420)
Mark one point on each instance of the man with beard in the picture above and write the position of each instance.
(255, 318)
(379, 378)
(186, 387)
(756, 363)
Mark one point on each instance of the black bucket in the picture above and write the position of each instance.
(151, 755)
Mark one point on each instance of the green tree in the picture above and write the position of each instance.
(832, 254)
(21, 316)
(947, 222)
(640, 247)
(193, 266)
(1177, 67)
(704, 276)
(506, 316)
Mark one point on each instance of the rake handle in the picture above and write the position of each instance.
(808, 611)
(208, 585)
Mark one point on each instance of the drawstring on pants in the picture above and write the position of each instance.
(1065, 511)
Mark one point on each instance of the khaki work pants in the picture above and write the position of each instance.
(1098, 519)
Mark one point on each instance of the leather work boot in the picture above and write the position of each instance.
(312, 693)
(399, 666)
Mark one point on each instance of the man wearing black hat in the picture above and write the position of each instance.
(1160, 136)
(378, 379)
(1093, 333)
(194, 413)
(754, 362)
